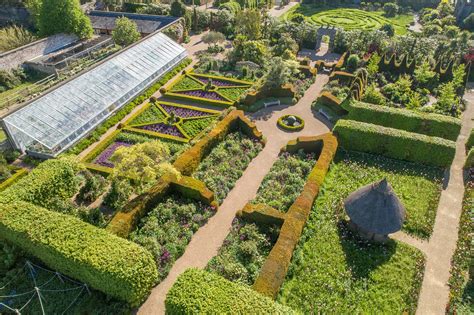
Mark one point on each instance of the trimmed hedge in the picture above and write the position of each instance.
(274, 270)
(201, 292)
(394, 143)
(284, 126)
(469, 159)
(51, 178)
(124, 111)
(470, 140)
(425, 123)
(11, 180)
(106, 262)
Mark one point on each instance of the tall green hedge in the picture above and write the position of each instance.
(104, 261)
(201, 292)
(434, 125)
(52, 178)
(394, 143)
(469, 159)
(470, 140)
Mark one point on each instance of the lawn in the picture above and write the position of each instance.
(333, 271)
(350, 19)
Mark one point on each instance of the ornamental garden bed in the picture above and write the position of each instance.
(167, 229)
(291, 123)
(227, 161)
(335, 271)
(215, 90)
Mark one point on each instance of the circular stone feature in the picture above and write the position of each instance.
(291, 122)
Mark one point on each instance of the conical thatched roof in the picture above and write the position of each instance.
(375, 208)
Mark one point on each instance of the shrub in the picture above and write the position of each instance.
(390, 9)
(373, 96)
(93, 187)
(470, 140)
(201, 292)
(394, 143)
(106, 262)
(428, 124)
(119, 193)
(352, 63)
(469, 159)
(52, 178)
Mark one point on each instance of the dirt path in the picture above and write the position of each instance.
(434, 294)
(208, 239)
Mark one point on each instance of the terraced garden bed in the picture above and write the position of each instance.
(226, 163)
(335, 271)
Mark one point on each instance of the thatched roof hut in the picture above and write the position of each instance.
(375, 211)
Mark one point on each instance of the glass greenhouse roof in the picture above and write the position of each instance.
(53, 122)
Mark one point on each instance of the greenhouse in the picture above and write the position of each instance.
(50, 124)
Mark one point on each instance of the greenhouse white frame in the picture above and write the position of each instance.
(50, 124)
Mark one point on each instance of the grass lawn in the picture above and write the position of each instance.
(334, 271)
(350, 19)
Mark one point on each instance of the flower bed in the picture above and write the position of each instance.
(209, 89)
(226, 163)
(244, 251)
(168, 228)
(291, 122)
(103, 158)
(285, 180)
(336, 272)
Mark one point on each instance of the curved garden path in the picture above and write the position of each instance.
(209, 238)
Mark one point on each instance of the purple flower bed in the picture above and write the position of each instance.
(219, 83)
(183, 112)
(204, 94)
(104, 156)
(163, 128)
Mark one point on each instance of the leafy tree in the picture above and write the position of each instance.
(448, 101)
(142, 163)
(459, 75)
(63, 16)
(414, 101)
(285, 42)
(424, 76)
(223, 21)
(249, 23)
(34, 7)
(213, 38)
(390, 9)
(249, 50)
(399, 92)
(373, 65)
(125, 32)
(352, 63)
(113, 5)
(280, 72)
(178, 9)
(388, 29)
(373, 96)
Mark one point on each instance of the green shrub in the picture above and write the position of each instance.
(93, 187)
(52, 178)
(469, 159)
(201, 292)
(470, 140)
(119, 193)
(394, 143)
(425, 123)
(106, 262)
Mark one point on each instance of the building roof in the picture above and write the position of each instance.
(376, 208)
(53, 122)
(146, 23)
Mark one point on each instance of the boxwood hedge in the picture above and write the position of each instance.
(425, 123)
(104, 261)
(394, 143)
(52, 178)
(201, 292)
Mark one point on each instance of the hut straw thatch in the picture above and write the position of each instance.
(376, 209)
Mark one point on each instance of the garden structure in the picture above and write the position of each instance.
(291, 122)
(375, 211)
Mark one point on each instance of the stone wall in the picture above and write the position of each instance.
(14, 58)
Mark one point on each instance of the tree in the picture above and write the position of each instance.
(178, 9)
(280, 72)
(249, 50)
(448, 101)
(424, 76)
(143, 163)
(390, 9)
(373, 65)
(125, 32)
(388, 29)
(373, 96)
(352, 63)
(284, 43)
(249, 23)
(63, 16)
(213, 38)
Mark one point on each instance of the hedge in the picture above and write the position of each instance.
(274, 270)
(51, 178)
(108, 263)
(11, 180)
(425, 123)
(394, 143)
(469, 159)
(201, 292)
(284, 126)
(116, 118)
(470, 140)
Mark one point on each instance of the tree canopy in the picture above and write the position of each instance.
(125, 32)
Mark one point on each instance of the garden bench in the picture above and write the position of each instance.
(324, 114)
(271, 103)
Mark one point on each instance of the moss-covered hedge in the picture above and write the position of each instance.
(201, 292)
(52, 178)
(434, 125)
(106, 262)
(394, 143)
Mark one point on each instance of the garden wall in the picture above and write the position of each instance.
(424, 123)
(394, 143)
(273, 272)
(201, 292)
